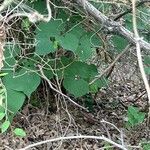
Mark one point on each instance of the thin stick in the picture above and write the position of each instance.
(111, 65)
(137, 98)
(8, 148)
(138, 50)
(76, 137)
(103, 121)
(140, 3)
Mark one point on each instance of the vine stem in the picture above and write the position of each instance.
(138, 50)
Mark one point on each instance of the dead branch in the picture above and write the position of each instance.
(110, 24)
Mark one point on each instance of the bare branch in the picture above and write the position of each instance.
(111, 25)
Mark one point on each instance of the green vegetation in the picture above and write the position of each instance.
(61, 51)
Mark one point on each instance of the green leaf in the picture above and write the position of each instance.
(78, 41)
(2, 109)
(77, 87)
(84, 50)
(25, 24)
(134, 116)
(147, 60)
(44, 46)
(15, 100)
(128, 21)
(56, 44)
(78, 32)
(69, 41)
(47, 30)
(62, 65)
(94, 87)
(107, 146)
(19, 132)
(5, 125)
(9, 59)
(76, 78)
(10, 53)
(119, 42)
(38, 5)
(66, 61)
(80, 70)
(147, 70)
(2, 115)
(26, 83)
(95, 40)
(50, 29)
(146, 146)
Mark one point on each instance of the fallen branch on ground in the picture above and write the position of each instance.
(76, 137)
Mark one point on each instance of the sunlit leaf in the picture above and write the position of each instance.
(135, 116)
(5, 125)
(19, 132)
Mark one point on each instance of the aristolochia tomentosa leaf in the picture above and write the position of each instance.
(43, 33)
(77, 77)
(69, 41)
(77, 87)
(24, 82)
(84, 50)
(81, 69)
(18, 87)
